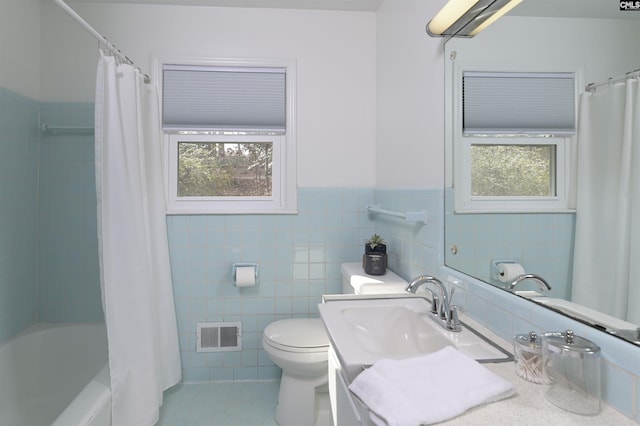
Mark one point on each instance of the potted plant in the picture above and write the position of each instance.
(374, 259)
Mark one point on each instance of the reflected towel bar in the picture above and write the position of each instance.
(61, 130)
(418, 216)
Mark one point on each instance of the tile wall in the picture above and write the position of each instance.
(68, 271)
(48, 243)
(541, 242)
(299, 259)
(18, 212)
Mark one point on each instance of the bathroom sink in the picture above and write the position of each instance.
(365, 330)
(391, 331)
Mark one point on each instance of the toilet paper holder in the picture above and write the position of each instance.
(495, 268)
(235, 267)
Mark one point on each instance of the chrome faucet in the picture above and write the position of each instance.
(441, 310)
(544, 286)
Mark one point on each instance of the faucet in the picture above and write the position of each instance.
(441, 310)
(544, 286)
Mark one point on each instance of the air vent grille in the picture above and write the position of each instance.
(219, 336)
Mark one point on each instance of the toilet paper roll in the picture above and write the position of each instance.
(508, 272)
(245, 276)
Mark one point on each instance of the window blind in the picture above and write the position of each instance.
(223, 98)
(520, 103)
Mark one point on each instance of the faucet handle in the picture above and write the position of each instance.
(454, 309)
(435, 302)
(453, 316)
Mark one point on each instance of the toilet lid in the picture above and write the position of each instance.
(298, 333)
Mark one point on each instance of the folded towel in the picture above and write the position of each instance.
(427, 389)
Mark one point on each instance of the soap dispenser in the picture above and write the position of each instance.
(571, 368)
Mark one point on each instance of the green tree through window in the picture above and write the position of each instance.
(209, 169)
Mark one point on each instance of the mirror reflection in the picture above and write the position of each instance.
(586, 244)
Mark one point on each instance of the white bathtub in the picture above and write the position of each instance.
(55, 374)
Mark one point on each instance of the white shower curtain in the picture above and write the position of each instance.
(137, 295)
(606, 269)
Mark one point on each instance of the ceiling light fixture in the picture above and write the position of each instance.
(466, 18)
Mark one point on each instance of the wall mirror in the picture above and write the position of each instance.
(596, 42)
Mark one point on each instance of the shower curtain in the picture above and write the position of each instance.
(606, 269)
(137, 296)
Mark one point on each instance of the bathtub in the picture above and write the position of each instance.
(55, 374)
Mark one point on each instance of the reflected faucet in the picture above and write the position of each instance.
(544, 286)
(441, 310)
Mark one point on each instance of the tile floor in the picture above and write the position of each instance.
(220, 404)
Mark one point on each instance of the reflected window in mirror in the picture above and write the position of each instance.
(512, 174)
(512, 141)
(513, 170)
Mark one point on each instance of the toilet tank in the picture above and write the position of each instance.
(355, 281)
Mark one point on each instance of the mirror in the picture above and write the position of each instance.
(595, 40)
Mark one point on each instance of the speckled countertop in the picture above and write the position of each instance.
(528, 406)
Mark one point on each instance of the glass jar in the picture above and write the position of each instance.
(527, 353)
(571, 368)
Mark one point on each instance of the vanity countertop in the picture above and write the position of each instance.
(529, 406)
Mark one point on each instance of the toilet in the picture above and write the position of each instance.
(299, 346)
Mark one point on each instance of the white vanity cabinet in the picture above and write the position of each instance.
(345, 410)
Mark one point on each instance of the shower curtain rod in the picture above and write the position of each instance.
(102, 39)
(592, 87)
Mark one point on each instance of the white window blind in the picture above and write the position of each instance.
(223, 98)
(520, 103)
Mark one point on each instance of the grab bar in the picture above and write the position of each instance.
(415, 216)
(60, 130)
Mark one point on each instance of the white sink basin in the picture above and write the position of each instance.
(391, 330)
(365, 330)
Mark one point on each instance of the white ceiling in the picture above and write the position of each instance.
(550, 8)
(360, 5)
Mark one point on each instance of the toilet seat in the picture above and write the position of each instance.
(297, 335)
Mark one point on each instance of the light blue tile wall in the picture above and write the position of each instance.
(48, 243)
(69, 280)
(541, 242)
(299, 259)
(18, 212)
(413, 248)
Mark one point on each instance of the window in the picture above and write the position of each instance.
(511, 141)
(230, 134)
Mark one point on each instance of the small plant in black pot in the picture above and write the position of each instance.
(374, 260)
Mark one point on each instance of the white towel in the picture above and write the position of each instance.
(427, 389)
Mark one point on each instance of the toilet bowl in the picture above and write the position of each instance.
(299, 346)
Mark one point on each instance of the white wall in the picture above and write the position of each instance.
(410, 96)
(335, 53)
(20, 46)
(599, 48)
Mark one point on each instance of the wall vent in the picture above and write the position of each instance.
(219, 336)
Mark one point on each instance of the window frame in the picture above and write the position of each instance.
(284, 168)
(212, 203)
(466, 202)
(460, 153)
